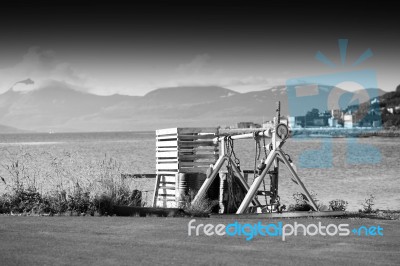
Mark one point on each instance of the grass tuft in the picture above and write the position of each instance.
(68, 185)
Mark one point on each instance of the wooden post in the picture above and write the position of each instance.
(155, 193)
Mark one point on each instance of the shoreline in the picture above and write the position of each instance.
(345, 133)
(326, 132)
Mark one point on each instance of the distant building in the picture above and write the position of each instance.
(319, 122)
(284, 120)
(333, 122)
(337, 114)
(268, 124)
(248, 125)
(291, 121)
(367, 124)
(300, 121)
(348, 120)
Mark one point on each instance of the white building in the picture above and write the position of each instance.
(348, 121)
(333, 122)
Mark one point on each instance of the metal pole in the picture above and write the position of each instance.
(294, 174)
(265, 133)
(274, 177)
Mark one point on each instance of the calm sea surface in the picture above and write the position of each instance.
(352, 168)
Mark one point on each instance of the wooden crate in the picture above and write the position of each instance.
(181, 150)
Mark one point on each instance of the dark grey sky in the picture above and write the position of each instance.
(111, 47)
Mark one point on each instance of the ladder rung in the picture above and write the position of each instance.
(168, 183)
(166, 187)
(165, 200)
(162, 195)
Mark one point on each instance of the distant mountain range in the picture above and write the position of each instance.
(11, 130)
(60, 107)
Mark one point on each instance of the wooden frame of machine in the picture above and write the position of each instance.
(202, 151)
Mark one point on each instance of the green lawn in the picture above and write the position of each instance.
(152, 241)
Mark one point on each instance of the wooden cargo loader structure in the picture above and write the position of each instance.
(183, 156)
(191, 163)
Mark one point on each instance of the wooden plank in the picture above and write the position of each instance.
(167, 166)
(171, 184)
(155, 192)
(167, 187)
(166, 194)
(199, 149)
(171, 137)
(194, 137)
(197, 153)
(167, 172)
(189, 130)
(195, 143)
(193, 169)
(167, 143)
(198, 157)
(166, 154)
(183, 131)
(163, 160)
(187, 150)
(167, 131)
(166, 149)
(190, 164)
(166, 160)
(210, 158)
(168, 179)
(162, 157)
(173, 159)
(166, 199)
